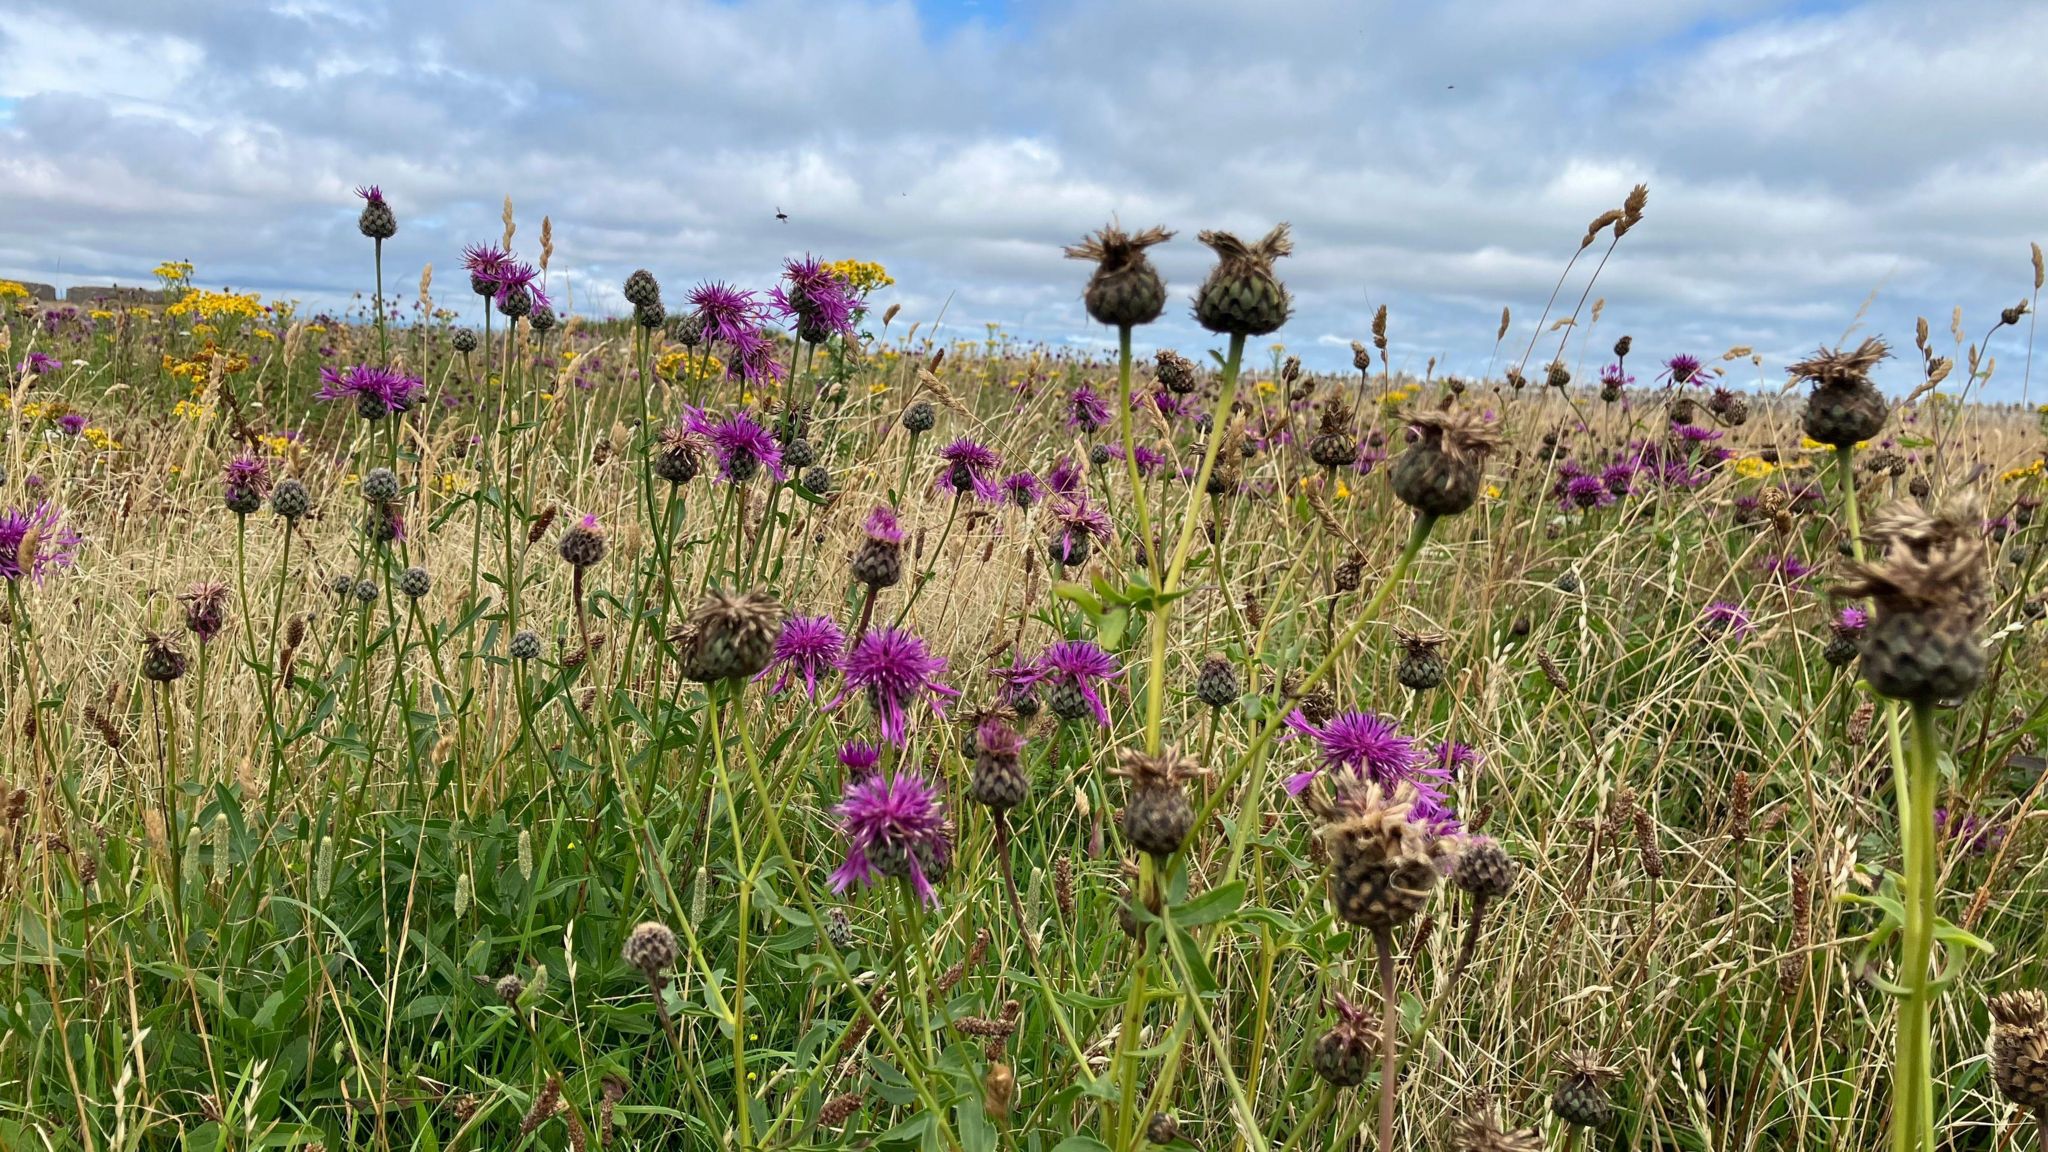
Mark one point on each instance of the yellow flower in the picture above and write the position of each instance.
(9, 290)
(2015, 475)
(97, 313)
(196, 413)
(877, 388)
(217, 305)
(1493, 491)
(1754, 467)
(457, 481)
(101, 441)
(863, 276)
(1343, 491)
(1265, 387)
(264, 334)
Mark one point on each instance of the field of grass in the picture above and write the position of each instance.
(452, 813)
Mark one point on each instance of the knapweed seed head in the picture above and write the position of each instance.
(1384, 854)
(1242, 296)
(206, 609)
(1479, 1131)
(1845, 408)
(1580, 1098)
(1343, 1054)
(162, 660)
(1927, 582)
(1440, 473)
(1125, 289)
(2019, 1047)
(1158, 814)
(728, 637)
(650, 948)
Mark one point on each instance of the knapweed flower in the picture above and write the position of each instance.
(895, 670)
(72, 423)
(1016, 680)
(815, 301)
(483, 262)
(1619, 479)
(1692, 434)
(753, 359)
(377, 392)
(1787, 569)
(1850, 622)
(970, 467)
(1086, 411)
(38, 364)
(1071, 670)
(1974, 835)
(515, 288)
(809, 647)
(206, 605)
(1076, 527)
(377, 222)
(730, 315)
(1022, 489)
(35, 542)
(1682, 369)
(245, 482)
(1368, 746)
(1724, 618)
(739, 442)
(896, 828)
(859, 758)
(1454, 758)
(1583, 492)
(1065, 477)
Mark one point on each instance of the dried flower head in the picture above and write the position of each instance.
(1926, 580)
(1439, 474)
(728, 637)
(1125, 289)
(1242, 296)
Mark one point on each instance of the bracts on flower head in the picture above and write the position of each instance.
(1158, 815)
(1386, 854)
(1926, 582)
(1125, 289)
(1440, 472)
(1845, 408)
(728, 637)
(895, 670)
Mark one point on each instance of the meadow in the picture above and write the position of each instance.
(766, 720)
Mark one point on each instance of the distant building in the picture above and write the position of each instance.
(111, 294)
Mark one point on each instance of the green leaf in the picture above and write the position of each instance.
(1080, 595)
(1080, 1143)
(1215, 904)
(1948, 933)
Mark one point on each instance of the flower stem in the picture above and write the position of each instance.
(1913, 1086)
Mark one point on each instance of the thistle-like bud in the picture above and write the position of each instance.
(1845, 407)
(651, 948)
(1342, 1055)
(1158, 815)
(1927, 584)
(1242, 296)
(728, 637)
(2019, 1048)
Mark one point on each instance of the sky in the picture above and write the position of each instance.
(1814, 167)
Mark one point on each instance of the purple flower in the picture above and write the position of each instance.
(247, 477)
(1583, 492)
(1022, 488)
(1368, 746)
(753, 358)
(1076, 666)
(859, 758)
(1454, 758)
(483, 262)
(1682, 369)
(882, 526)
(1787, 569)
(742, 446)
(895, 669)
(730, 314)
(1065, 477)
(1850, 622)
(1619, 479)
(1370, 456)
(1616, 376)
(72, 423)
(1693, 434)
(970, 467)
(1724, 618)
(35, 542)
(1016, 679)
(1970, 832)
(1149, 460)
(818, 304)
(809, 646)
(39, 364)
(378, 392)
(1086, 411)
(512, 279)
(895, 826)
(1077, 521)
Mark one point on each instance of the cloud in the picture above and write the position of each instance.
(1441, 159)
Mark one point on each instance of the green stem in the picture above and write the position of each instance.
(1913, 1086)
